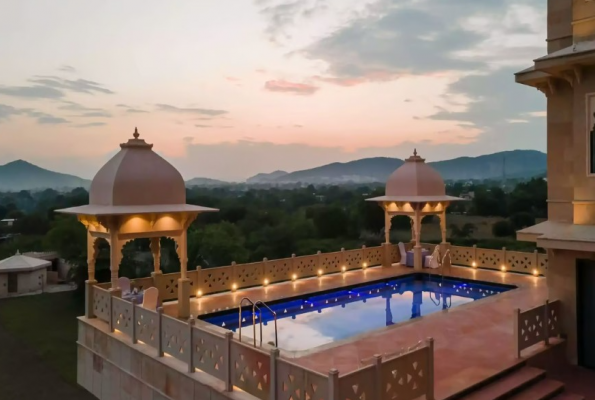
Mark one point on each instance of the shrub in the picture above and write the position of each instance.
(522, 220)
(503, 229)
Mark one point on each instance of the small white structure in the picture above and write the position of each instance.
(21, 274)
(7, 222)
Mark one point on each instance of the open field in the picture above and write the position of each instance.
(38, 356)
(430, 232)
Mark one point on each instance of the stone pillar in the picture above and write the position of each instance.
(92, 249)
(417, 257)
(387, 259)
(183, 282)
(116, 246)
(387, 226)
(442, 217)
(444, 245)
(156, 252)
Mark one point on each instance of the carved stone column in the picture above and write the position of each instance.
(116, 246)
(92, 250)
(444, 245)
(183, 282)
(387, 226)
(417, 256)
(442, 217)
(156, 252)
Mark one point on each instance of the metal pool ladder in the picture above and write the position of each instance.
(256, 306)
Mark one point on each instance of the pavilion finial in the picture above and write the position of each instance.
(415, 152)
(136, 134)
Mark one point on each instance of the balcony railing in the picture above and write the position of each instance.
(538, 324)
(259, 371)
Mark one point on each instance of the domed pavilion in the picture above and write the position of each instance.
(415, 189)
(138, 194)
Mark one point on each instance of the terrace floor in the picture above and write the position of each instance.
(472, 342)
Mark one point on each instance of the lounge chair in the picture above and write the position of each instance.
(151, 298)
(403, 252)
(124, 285)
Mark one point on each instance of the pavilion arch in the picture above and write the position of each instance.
(137, 194)
(416, 190)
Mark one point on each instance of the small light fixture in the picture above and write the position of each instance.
(293, 277)
(343, 269)
(199, 293)
(535, 272)
(234, 287)
(474, 264)
(503, 268)
(266, 282)
(365, 265)
(319, 272)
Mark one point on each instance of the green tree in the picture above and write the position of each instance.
(330, 221)
(502, 229)
(217, 245)
(69, 238)
(463, 232)
(522, 220)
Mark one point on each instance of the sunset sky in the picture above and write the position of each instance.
(229, 88)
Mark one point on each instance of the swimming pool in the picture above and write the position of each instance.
(321, 318)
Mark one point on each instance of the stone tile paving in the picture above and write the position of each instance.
(472, 341)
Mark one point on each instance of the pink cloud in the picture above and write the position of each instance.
(261, 71)
(375, 76)
(290, 87)
(232, 79)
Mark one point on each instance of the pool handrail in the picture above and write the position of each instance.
(253, 320)
(254, 307)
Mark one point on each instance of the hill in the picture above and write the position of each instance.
(21, 175)
(266, 178)
(515, 164)
(205, 182)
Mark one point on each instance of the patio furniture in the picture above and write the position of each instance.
(403, 252)
(151, 298)
(124, 285)
(138, 297)
(411, 257)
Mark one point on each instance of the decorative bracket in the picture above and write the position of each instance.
(578, 73)
(569, 77)
(551, 83)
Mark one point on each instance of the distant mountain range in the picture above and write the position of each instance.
(512, 164)
(22, 175)
(205, 182)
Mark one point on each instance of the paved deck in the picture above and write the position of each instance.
(472, 341)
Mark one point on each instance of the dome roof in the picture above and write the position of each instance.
(136, 180)
(137, 176)
(415, 182)
(415, 178)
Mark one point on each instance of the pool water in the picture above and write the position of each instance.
(322, 318)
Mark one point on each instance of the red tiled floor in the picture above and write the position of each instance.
(472, 341)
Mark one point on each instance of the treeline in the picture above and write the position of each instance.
(251, 224)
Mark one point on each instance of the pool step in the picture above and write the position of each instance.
(542, 390)
(524, 383)
(509, 384)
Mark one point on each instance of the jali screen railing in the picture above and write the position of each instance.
(262, 372)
